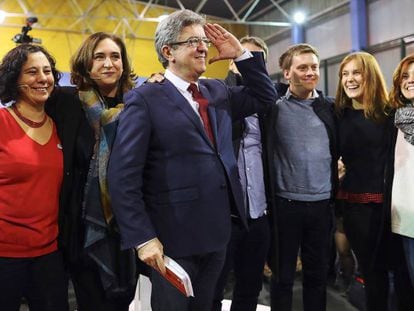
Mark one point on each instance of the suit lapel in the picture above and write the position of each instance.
(176, 98)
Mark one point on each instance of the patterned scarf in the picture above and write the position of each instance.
(117, 268)
(404, 120)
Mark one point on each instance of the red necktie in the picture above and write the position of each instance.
(202, 109)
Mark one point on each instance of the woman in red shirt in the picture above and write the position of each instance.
(31, 171)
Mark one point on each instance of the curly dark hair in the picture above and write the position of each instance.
(11, 66)
(81, 63)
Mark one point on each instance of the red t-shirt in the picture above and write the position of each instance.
(30, 179)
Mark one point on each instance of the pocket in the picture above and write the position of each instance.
(177, 195)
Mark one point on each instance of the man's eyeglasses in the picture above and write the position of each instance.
(193, 42)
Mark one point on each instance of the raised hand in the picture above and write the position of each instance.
(226, 43)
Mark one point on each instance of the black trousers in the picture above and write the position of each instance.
(308, 226)
(246, 256)
(90, 294)
(203, 270)
(378, 252)
(41, 280)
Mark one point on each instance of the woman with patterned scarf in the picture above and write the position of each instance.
(402, 199)
(104, 277)
(365, 129)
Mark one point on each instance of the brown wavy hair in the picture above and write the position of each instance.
(81, 63)
(375, 96)
(397, 98)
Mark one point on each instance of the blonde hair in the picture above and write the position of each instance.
(375, 98)
(286, 59)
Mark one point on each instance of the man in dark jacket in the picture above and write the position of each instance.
(305, 167)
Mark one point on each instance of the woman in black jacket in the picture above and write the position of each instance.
(104, 277)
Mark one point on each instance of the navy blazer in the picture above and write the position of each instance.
(166, 179)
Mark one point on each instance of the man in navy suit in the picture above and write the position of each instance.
(173, 176)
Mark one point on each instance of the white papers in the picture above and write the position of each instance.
(178, 277)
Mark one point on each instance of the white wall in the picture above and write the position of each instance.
(275, 50)
(387, 20)
(390, 19)
(332, 37)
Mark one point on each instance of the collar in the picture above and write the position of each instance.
(289, 94)
(179, 83)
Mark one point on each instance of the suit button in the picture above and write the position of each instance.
(67, 173)
(223, 186)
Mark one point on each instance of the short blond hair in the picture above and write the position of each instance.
(286, 59)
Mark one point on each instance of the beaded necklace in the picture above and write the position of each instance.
(27, 121)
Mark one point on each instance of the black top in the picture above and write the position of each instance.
(363, 147)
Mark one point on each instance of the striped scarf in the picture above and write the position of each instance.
(404, 120)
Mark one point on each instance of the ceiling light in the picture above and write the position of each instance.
(299, 17)
(2, 16)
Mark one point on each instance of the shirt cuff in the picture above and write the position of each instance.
(143, 244)
(245, 55)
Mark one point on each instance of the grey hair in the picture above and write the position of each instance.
(170, 28)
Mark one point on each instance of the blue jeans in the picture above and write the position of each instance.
(408, 244)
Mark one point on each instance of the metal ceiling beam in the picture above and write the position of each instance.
(279, 7)
(200, 6)
(250, 10)
(130, 7)
(145, 10)
(75, 31)
(236, 16)
(83, 14)
(182, 7)
(86, 17)
(25, 7)
(256, 23)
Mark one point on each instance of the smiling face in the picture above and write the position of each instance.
(187, 62)
(36, 81)
(107, 67)
(303, 75)
(352, 80)
(407, 82)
